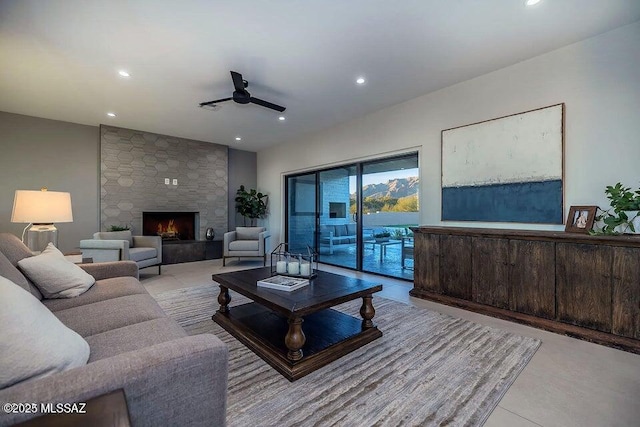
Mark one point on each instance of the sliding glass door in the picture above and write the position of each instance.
(338, 231)
(301, 212)
(389, 208)
(358, 215)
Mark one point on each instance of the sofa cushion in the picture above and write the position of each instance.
(351, 229)
(13, 248)
(115, 235)
(102, 290)
(140, 254)
(33, 343)
(91, 319)
(248, 233)
(12, 273)
(133, 337)
(54, 275)
(244, 245)
(341, 230)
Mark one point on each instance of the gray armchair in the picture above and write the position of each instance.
(106, 246)
(245, 242)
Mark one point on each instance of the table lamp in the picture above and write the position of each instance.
(41, 209)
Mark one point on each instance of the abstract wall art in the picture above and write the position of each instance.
(508, 169)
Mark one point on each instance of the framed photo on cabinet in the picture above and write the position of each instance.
(580, 219)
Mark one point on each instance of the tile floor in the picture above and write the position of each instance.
(567, 383)
(389, 265)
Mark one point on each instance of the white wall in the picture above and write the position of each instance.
(598, 80)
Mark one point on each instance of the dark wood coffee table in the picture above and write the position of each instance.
(297, 332)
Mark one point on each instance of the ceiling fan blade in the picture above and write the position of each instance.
(217, 101)
(238, 82)
(267, 104)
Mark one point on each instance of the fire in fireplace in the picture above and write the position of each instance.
(170, 225)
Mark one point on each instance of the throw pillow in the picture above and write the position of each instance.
(54, 275)
(33, 342)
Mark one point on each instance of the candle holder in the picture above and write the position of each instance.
(285, 263)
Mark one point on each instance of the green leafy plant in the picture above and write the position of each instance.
(119, 228)
(251, 204)
(622, 200)
(398, 233)
(382, 235)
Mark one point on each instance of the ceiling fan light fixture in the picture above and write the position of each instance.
(123, 73)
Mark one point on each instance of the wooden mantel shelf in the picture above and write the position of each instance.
(574, 284)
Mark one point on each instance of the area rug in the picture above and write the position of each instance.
(427, 369)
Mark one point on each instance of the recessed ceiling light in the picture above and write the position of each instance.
(281, 118)
(238, 138)
(123, 73)
(360, 80)
(111, 114)
(532, 2)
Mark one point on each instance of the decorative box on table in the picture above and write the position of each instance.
(294, 264)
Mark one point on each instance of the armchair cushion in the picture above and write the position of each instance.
(244, 245)
(115, 235)
(140, 254)
(249, 233)
(146, 250)
(54, 275)
(33, 343)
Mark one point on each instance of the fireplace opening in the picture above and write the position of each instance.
(170, 225)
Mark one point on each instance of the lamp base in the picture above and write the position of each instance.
(40, 235)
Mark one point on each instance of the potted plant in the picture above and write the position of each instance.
(118, 228)
(251, 204)
(382, 236)
(624, 214)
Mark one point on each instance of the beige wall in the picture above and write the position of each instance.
(596, 78)
(58, 155)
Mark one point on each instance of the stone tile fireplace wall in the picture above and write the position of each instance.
(134, 165)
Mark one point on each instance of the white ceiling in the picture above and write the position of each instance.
(59, 58)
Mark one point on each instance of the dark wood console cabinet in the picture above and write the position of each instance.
(579, 285)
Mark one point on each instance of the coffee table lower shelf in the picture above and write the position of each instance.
(329, 334)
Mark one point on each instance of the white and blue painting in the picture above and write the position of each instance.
(505, 170)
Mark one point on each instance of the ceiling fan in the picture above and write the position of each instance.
(241, 96)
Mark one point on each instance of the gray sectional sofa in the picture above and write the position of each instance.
(168, 377)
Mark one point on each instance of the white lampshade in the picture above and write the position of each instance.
(41, 207)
